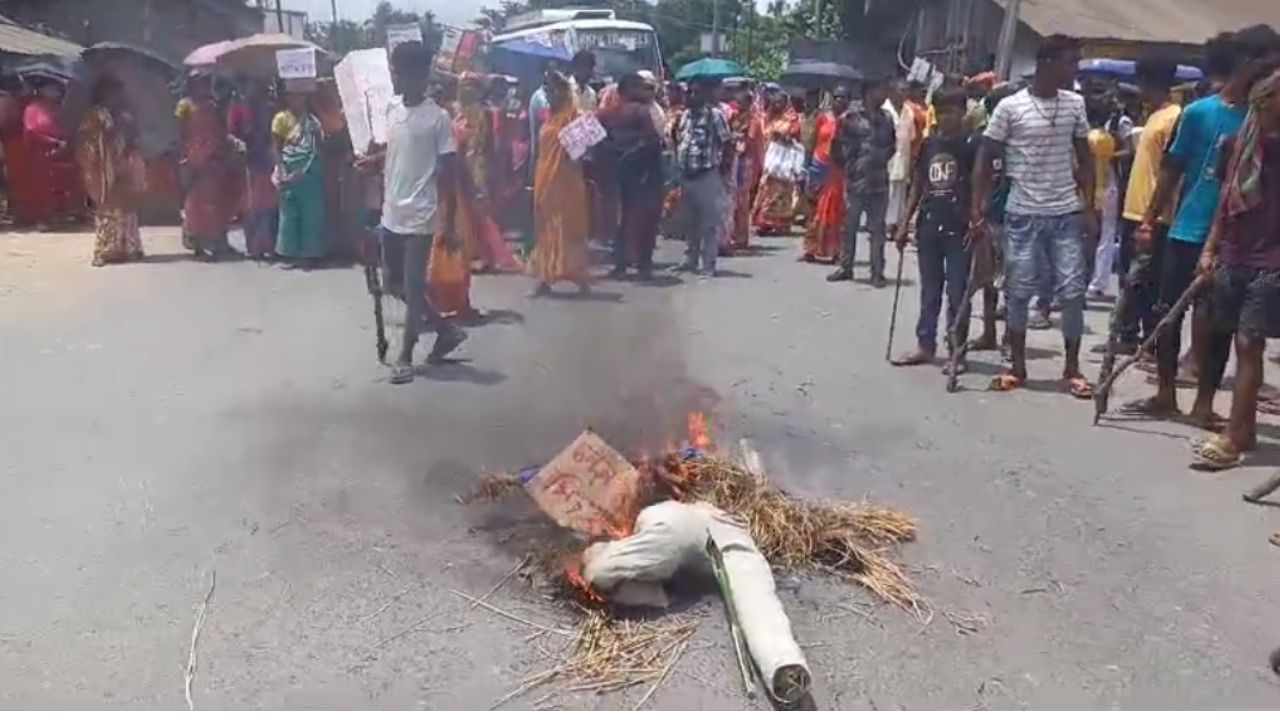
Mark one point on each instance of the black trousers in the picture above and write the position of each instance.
(1140, 317)
(1178, 270)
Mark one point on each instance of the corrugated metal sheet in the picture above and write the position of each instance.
(15, 39)
(1168, 21)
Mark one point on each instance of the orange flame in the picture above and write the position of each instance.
(699, 432)
(573, 573)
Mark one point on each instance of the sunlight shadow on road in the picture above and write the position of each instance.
(460, 370)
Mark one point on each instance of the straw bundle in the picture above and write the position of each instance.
(607, 655)
(851, 540)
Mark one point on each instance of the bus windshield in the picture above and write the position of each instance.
(619, 51)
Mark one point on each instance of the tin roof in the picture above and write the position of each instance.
(17, 39)
(1169, 21)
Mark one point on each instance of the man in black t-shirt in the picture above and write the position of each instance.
(940, 193)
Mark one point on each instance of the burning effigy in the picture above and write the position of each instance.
(637, 524)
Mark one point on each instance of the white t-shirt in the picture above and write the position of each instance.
(416, 138)
(1039, 136)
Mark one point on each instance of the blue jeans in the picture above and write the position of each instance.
(1040, 249)
(944, 264)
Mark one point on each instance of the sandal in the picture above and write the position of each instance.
(402, 374)
(1275, 539)
(1006, 382)
(1216, 454)
(1147, 408)
(919, 357)
(1078, 387)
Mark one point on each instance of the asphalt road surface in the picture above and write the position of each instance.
(163, 420)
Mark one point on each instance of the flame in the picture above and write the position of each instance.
(699, 432)
(573, 573)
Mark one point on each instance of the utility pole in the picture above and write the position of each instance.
(334, 5)
(715, 28)
(280, 17)
(1008, 35)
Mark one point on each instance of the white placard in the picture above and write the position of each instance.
(401, 34)
(581, 135)
(364, 85)
(296, 64)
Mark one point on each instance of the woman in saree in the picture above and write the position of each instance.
(672, 220)
(210, 173)
(825, 229)
(561, 212)
(775, 202)
(250, 121)
(473, 130)
(44, 179)
(300, 177)
(748, 134)
(113, 175)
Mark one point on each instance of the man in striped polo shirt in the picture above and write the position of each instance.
(1042, 134)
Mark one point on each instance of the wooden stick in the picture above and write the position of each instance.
(195, 637)
(477, 602)
(675, 658)
(893, 316)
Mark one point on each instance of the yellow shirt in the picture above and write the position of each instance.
(283, 125)
(1146, 165)
(1102, 145)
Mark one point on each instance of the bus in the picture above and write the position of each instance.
(620, 46)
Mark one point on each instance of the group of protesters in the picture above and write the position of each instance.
(1058, 186)
(1072, 187)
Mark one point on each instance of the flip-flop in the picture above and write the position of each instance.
(1275, 539)
(1078, 387)
(401, 374)
(1215, 456)
(1145, 408)
(912, 360)
(1006, 382)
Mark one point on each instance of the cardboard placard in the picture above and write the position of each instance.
(581, 135)
(590, 488)
(401, 34)
(296, 64)
(364, 84)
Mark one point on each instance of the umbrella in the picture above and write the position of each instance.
(531, 48)
(207, 54)
(105, 51)
(147, 80)
(819, 73)
(1129, 69)
(256, 55)
(710, 68)
(56, 67)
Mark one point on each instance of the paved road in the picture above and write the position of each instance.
(164, 419)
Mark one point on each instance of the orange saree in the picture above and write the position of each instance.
(823, 235)
(560, 208)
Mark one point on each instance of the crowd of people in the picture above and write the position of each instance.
(1058, 184)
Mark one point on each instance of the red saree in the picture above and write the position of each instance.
(823, 235)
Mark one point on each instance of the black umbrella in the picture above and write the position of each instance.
(103, 51)
(819, 74)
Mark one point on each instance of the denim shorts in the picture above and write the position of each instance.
(1036, 246)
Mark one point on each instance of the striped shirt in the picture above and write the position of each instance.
(1039, 136)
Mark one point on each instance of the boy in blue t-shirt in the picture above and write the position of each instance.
(1193, 162)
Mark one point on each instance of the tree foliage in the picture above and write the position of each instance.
(344, 36)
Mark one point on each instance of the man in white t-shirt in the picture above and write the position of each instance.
(419, 154)
(1042, 133)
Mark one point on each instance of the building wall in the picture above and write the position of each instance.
(171, 28)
